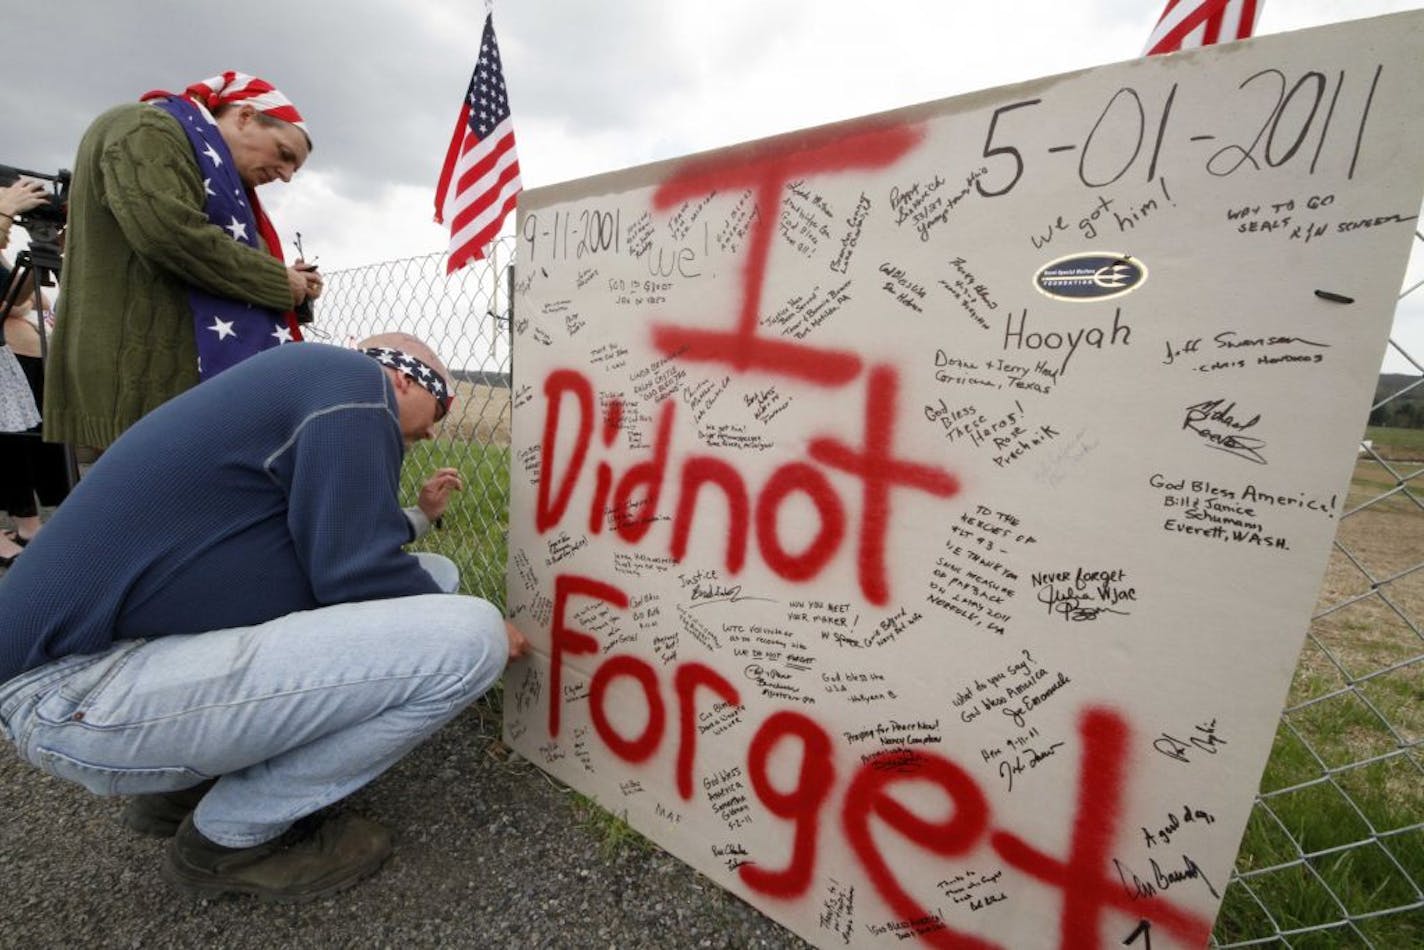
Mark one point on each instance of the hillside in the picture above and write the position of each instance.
(1406, 410)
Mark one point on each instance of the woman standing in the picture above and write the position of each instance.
(32, 472)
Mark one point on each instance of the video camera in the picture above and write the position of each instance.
(53, 211)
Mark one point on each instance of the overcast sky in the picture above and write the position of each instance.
(594, 86)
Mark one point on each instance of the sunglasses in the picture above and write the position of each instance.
(418, 372)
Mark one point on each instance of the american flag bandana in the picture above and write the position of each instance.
(417, 370)
(233, 86)
(227, 331)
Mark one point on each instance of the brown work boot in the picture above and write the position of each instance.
(161, 814)
(312, 860)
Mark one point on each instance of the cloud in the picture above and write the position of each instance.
(595, 87)
(599, 67)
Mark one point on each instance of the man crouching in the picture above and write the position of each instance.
(221, 620)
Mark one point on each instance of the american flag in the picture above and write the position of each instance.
(1190, 23)
(480, 180)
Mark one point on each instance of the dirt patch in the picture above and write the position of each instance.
(1371, 600)
(481, 414)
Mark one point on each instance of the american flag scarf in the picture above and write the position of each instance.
(228, 331)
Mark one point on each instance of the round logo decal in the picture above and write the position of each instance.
(1096, 275)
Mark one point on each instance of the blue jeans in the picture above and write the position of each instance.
(293, 714)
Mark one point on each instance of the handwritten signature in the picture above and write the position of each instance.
(1007, 769)
(1203, 738)
(718, 594)
(1071, 606)
(1140, 889)
(1233, 443)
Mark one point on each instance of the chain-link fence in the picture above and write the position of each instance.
(1334, 852)
(465, 317)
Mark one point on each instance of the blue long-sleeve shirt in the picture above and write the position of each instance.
(269, 489)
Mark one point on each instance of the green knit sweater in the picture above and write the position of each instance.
(123, 340)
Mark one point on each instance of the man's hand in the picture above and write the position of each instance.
(435, 493)
(518, 645)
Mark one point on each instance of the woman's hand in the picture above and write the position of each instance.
(21, 197)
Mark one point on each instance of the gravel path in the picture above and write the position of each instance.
(489, 853)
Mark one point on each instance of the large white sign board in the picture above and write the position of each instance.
(917, 519)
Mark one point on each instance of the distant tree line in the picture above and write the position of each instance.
(1405, 411)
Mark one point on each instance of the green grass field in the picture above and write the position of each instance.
(1329, 812)
(1337, 834)
(475, 530)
